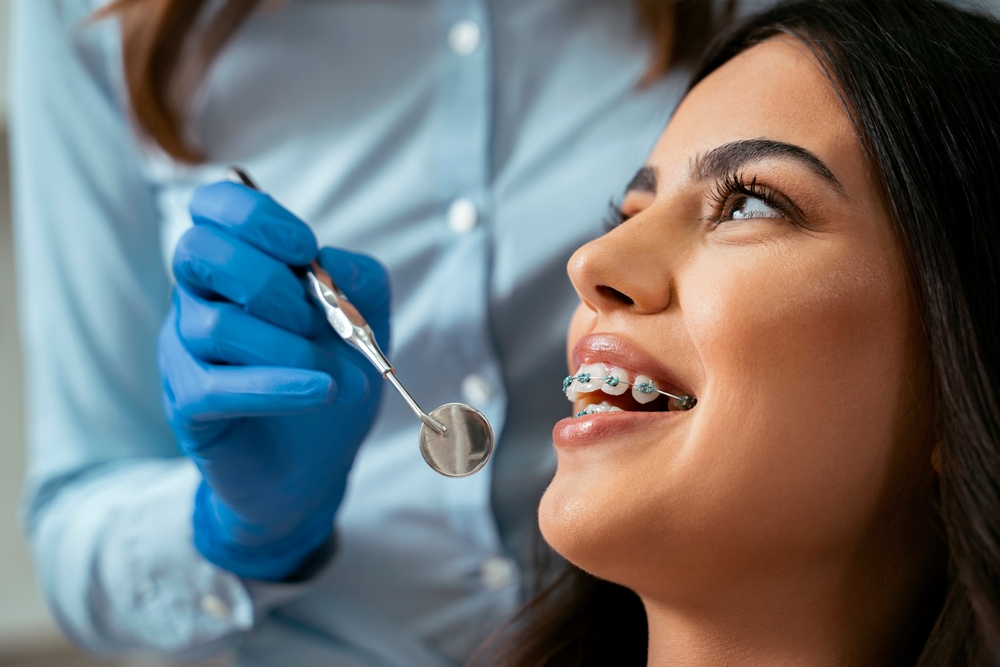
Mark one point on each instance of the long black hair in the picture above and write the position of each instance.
(921, 82)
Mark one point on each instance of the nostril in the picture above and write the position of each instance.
(614, 295)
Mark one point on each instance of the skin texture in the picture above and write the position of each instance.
(785, 520)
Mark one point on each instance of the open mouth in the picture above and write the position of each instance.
(598, 388)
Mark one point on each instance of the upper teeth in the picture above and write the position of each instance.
(644, 389)
(611, 380)
(615, 381)
(590, 378)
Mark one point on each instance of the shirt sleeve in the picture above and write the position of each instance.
(108, 499)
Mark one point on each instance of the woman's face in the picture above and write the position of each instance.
(757, 271)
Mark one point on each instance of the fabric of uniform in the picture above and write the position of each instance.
(369, 120)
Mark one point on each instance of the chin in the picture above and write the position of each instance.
(630, 523)
(582, 525)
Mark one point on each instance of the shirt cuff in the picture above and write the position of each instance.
(115, 552)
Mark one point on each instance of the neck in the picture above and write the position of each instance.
(815, 617)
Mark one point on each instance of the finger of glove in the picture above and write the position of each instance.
(255, 218)
(197, 393)
(222, 333)
(366, 283)
(210, 263)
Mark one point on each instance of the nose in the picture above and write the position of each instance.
(622, 271)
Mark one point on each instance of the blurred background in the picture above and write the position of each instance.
(24, 622)
(28, 635)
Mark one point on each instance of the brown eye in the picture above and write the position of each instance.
(744, 207)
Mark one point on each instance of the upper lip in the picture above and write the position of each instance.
(620, 351)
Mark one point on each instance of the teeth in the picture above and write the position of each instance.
(616, 383)
(586, 380)
(644, 389)
(590, 378)
(569, 386)
(599, 408)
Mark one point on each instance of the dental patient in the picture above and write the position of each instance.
(783, 445)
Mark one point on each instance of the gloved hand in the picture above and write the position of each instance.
(263, 396)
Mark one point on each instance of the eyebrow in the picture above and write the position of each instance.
(724, 160)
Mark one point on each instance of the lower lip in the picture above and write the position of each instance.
(591, 429)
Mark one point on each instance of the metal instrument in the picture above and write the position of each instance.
(456, 440)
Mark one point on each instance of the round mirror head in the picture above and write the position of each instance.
(467, 446)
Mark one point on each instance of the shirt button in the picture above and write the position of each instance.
(462, 216)
(476, 390)
(463, 38)
(496, 573)
(213, 606)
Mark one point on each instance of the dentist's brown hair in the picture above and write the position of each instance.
(168, 47)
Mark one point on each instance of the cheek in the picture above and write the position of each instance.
(807, 363)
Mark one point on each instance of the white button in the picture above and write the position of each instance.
(463, 38)
(476, 390)
(496, 573)
(462, 216)
(214, 606)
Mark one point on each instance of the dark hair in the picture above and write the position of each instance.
(921, 82)
(168, 47)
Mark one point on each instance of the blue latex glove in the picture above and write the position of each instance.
(262, 395)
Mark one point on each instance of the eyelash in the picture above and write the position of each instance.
(614, 216)
(735, 184)
(732, 184)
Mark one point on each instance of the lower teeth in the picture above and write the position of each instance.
(598, 408)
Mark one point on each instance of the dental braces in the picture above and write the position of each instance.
(685, 402)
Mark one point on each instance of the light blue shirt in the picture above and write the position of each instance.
(470, 146)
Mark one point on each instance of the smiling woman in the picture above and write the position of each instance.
(810, 253)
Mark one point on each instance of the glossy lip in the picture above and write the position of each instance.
(620, 351)
(592, 429)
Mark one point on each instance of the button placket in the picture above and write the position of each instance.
(463, 38)
(476, 390)
(463, 119)
(497, 573)
(462, 216)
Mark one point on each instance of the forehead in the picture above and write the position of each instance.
(776, 90)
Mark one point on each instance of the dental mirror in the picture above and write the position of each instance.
(465, 448)
(456, 440)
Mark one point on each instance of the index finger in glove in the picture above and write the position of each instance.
(255, 218)
(210, 263)
(222, 333)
